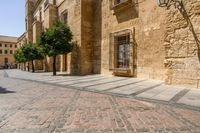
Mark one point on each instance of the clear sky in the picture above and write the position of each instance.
(12, 17)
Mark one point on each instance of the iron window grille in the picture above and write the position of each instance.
(46, 3)
(118, 3)
(119, 50)
(5, 60)
(64, 17)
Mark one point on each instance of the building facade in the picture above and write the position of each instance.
(134, 38)
(8, 45)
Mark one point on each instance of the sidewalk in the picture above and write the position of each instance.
(149, 90)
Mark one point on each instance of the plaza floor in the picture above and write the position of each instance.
(35, 107)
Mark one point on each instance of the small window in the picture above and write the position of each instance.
(120, 50)
(54, 2)
(0, 45)
(0, 51)
(10, 45)
(117, 2)
(123, 49)
(15, 46)
(46, 3)
(5, 51)
(5, 45)
(64, 17)
(5, 60)
(11, 52)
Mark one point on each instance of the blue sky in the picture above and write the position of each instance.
(12, 17)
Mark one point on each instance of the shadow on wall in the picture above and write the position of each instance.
(126, 12)
(4, 91)
(191, 27)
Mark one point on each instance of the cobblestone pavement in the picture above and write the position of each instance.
(31, 107)
(143, 89)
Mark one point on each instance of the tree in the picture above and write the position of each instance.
(56, 40)
(19, 56)
(31, 52)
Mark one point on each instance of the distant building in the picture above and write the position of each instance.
(8, 45)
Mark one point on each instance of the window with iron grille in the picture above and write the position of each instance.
(64, 17)
(116, 2)
(121, 4)
(122, 49)
(46, 3)
(11, 52)
(5, 60)
(119, 52)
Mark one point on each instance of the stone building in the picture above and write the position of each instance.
(134, 38)
(8, 45)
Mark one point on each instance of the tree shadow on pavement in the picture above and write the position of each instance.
(4, 91)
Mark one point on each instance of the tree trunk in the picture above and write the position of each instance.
(54, 65)
(24, 67)
(65, 62)
(33, 67)
(28, 66)
(45, 65)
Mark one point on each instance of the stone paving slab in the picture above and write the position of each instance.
(167, 94)
(153, 92)
(129, 89)
(101, 81)
(112, 85)
(191, 98)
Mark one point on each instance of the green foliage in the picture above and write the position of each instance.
(32, 52)
(19, 56)
(56, 40)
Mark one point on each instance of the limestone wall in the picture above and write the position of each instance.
(181, 45)
(146, 21)
(73, 9)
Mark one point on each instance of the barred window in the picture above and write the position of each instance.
(46, 3)
(123, 49)
(119, 1)
(5, 60)
(120, 50)
(64, 17)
